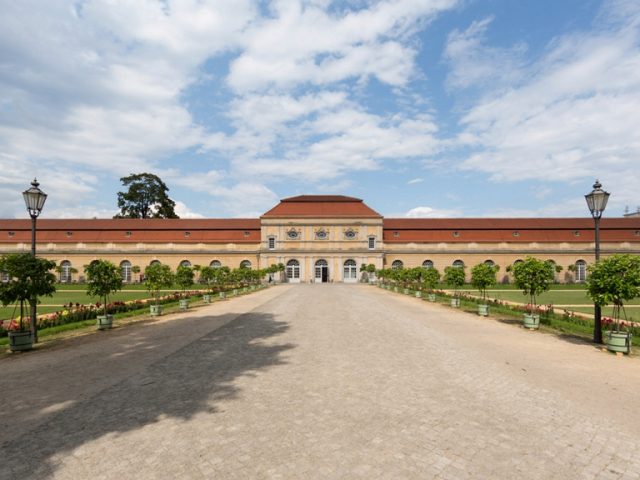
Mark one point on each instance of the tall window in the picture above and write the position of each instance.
(397, 264)
(4, 277)
(350, 270)
(125, 271)
(491, 263)
(154, 262)
(185, 263)
(427, 264)
(581, 271)
(372, 243)
(65, 271)
(245, 264)
(293, 269)
(458, 264)
(272, 243)
(215, 264)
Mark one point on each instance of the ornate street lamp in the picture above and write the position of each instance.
(34, 199)
(597, 202)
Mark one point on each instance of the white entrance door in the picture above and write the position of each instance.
(321, 271)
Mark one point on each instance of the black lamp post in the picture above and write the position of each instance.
(597, 202)
(34, 199)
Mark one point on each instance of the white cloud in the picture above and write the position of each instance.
(474, 64)
(294, 47)
(429, 212)
(575, 118)
(185, 212)
(413, 181)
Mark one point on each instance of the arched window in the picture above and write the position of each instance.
(245, 264)
(489, 262)
(458, 264)
(65, 271)
(154, 262)
(215, 264)
(397, 265)
(125, 271)
(293, 269)
(581, 271)
(350, 270)
(518, 261)
(427, 264)
(185, 263)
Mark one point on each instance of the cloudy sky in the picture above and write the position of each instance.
(421, 107)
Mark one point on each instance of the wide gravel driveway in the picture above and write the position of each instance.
(320, 381)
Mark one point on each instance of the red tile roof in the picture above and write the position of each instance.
(133, 230)
(313, 206)
(465, 230)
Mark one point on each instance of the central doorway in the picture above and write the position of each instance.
(322, 271)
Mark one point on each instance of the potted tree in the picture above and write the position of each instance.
(156, 277)
(207, 277)
(430, 278)
(615, 280)
(371, 271)
(103, 279)
(29, 278)
(533, 277)
(483, 276)
(184, 279)
(454, 277)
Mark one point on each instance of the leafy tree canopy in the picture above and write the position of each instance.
(483, 276)
(430, 278)
(29, 278)
(454, 276)
(146, 197)
(185, 276)
(614, 280)
(533, 277)
(103, 279)
(156, 277)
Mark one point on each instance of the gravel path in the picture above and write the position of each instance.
(320, 381)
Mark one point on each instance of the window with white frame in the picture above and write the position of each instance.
(245, 264)
(581, 271)
(397, 265)
(372, 243)
(185, 263)
(350, 270)
(65, 271)
(458, 264)
(293, 269)
(272, 243)
(4, 277)
(125, 271)
(215, 264)
(427, 264)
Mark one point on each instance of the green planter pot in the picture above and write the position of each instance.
(396, 289)
(431, 297)
(206, 298)
(184, 304)
(20, 341)
(483, 310)
(222, 295)
(418, 294)
(406, 291)
(618, 342)
(104, 322)
(455, 302)
(155, 310)
(531, 321)
(235, 292)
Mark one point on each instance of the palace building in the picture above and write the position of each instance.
(321, 238)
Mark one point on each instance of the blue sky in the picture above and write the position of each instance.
(434, 108)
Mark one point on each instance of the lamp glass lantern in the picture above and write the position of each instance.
(597, 200)
(34, 199)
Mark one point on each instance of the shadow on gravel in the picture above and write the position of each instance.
(188, 382)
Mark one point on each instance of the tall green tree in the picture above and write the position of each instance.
(146, 197)
(483, 276)
(29, 278)
(533, 277)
